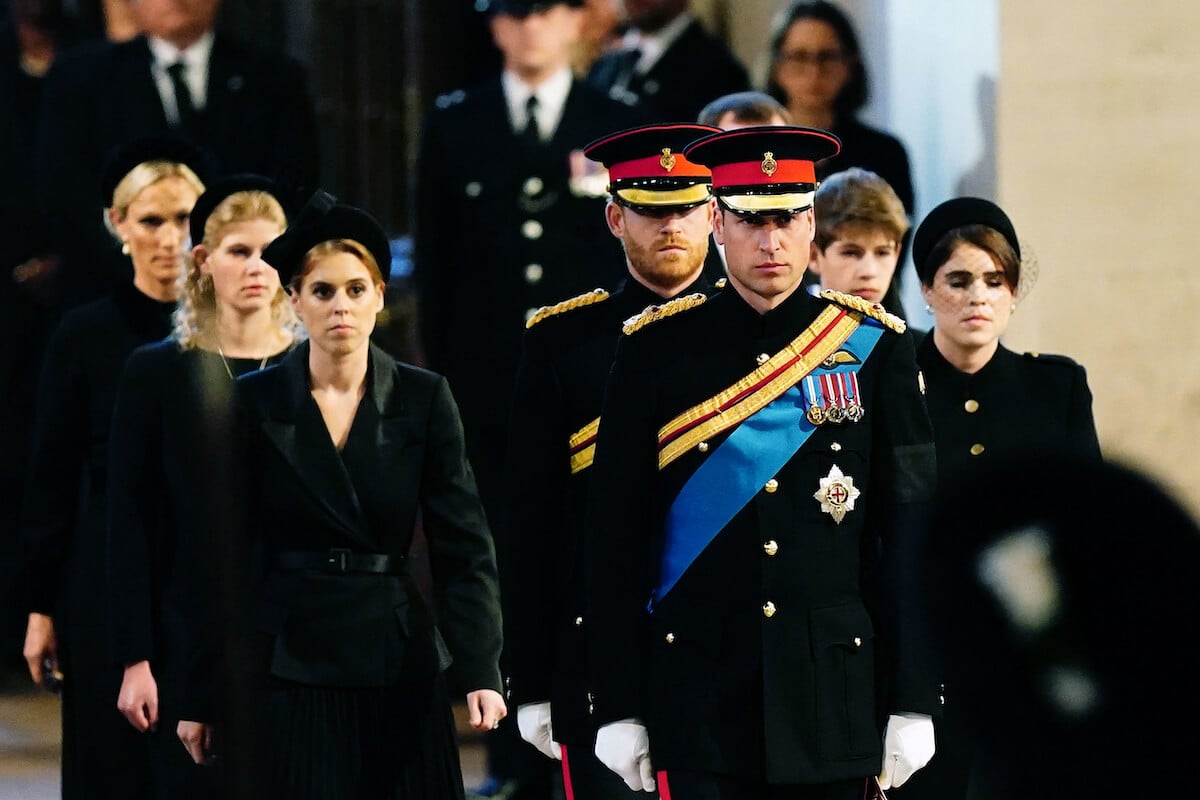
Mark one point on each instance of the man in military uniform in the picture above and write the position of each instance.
(763, 458)
(509, 219)
(661, 209)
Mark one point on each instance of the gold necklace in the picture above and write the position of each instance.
(228, 371)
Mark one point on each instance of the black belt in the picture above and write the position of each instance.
(340, 560)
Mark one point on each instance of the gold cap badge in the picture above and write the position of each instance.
(769, 164)
(667, 160)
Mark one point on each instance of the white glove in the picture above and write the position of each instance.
(907, 746)
(533, 721)
(624, 747)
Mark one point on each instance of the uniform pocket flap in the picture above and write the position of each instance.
(846, 626)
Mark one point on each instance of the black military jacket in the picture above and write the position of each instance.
(1016, 405)
(773, 658)
(560, 387)
(502, 231)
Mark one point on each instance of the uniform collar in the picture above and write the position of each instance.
(551, 95)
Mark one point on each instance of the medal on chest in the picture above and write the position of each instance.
(837, 494)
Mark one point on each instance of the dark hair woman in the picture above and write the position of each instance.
(345, 446)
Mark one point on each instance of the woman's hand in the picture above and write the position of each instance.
(486, 708)
(41, 647)
(197, 739)
(138, 699)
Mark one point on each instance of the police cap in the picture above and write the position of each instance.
(765, 168)
(159, 147)
(647, 170)
(324, 219)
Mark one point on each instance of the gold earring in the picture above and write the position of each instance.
(124, 247)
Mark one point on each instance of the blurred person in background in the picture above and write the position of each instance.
(250, 107)
(668, 62)
(148, 188)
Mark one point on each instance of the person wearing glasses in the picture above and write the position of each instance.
(817, 72)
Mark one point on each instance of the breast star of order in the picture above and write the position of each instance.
(837, 494)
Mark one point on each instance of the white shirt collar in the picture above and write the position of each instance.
(653, 45)
(195, 58)
(551, 94)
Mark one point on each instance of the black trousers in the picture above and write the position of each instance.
(585, 778)
(689, 785)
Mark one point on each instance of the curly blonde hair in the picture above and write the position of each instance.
(195, 315)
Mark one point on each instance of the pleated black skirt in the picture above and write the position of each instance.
(394, 743)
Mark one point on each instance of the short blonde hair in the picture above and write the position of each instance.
(142, 176)
(197, 310)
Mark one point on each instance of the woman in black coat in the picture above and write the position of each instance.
(149, 189)
(345, 447)
(989, 406)
(169, 464)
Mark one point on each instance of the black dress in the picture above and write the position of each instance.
(63, 525)
(1018, 406)
(346, 656)
(169, 473)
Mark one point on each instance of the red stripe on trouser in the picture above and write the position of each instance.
(566, 771)
(664, 788)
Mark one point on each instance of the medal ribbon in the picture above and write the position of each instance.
(736, 471)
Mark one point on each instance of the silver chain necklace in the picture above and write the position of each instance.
(225, 361)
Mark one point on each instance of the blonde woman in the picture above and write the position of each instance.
(149, 189)
(168, 473)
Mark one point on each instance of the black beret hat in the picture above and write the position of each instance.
(324, 219)
(522, 8)
(647, 168)
(955, 214)
(217, 191)
(159, 147)
(764, 168)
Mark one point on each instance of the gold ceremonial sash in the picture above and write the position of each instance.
(583, 446)
(773, 377)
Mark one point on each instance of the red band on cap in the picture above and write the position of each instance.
(652, 168)
(750, 173)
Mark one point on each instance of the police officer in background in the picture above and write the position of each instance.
(661, 209)
(509, 219)
(763, 459)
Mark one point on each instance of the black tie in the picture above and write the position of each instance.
(183, 96)
(532, 135)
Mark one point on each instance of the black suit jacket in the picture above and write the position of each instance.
(258, 117)
(404, 455)
(696, 69)
(172, 490)
(560, 386)
(500, 233)
(798, 696)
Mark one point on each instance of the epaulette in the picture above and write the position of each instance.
(1047, 358)
(450, 99)
(585, 299)
(875, 311)
(667, 309)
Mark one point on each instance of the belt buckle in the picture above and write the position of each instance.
(339, 559)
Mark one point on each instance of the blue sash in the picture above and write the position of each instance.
(737, 470)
